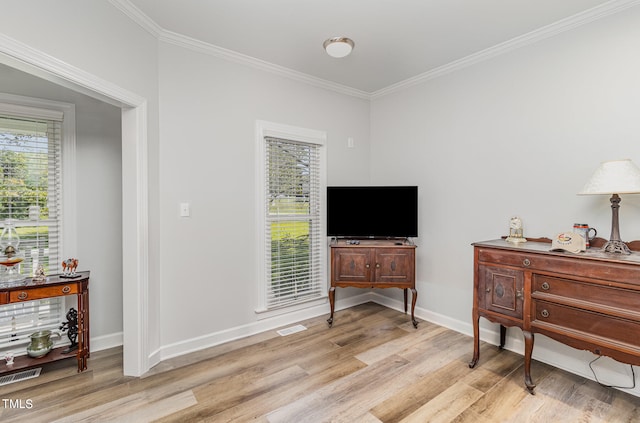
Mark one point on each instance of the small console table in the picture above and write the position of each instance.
(373, 264)
(589, 300)
(54, 286)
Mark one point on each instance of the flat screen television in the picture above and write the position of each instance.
(372, 211)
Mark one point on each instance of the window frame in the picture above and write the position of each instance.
(10, 103)
(29, 107)
(266, 129)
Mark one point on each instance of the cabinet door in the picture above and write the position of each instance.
(501, 290)
(395, 265)
(351, 264)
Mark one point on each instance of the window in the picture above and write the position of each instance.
(31, 201)
(291, 208)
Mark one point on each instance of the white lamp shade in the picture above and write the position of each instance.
(614, 177)
(338, 47)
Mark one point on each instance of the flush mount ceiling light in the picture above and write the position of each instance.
(338, 46)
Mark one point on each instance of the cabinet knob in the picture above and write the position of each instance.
(545, 286)
(544, 313)
(377, 265)
(526, 262)
(367, 265)
(519, 294)
(488, 290)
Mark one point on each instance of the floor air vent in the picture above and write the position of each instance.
(17, 377)
(290, 330)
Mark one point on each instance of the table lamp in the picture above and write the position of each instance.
(614, 177)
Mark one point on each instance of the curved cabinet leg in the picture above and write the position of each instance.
(528, 349)
(332, 303)
(414, 297)
(476, 341)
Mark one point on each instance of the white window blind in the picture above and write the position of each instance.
(30, 197)
(294, 241)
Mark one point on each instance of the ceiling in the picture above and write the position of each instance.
(395, 40)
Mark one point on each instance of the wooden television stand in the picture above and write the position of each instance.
(373, 264)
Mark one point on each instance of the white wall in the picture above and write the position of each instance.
(99, 197)
(519, 134)
(208, 114)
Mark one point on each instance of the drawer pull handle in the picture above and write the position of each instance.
(545, 286)
(23, 295)
(544, 313)
(519, 294)
(526, 262)
(66, 289)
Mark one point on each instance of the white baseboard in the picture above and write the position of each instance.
(106, 341)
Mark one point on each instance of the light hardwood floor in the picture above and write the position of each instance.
(372, 366)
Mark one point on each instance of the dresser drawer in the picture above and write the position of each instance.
(42, 292)
(584, 324)
(507, 258)
(565, 263)
(598, 296)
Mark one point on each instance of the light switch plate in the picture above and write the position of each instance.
(185, 210)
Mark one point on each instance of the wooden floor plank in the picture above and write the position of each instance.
(135, 408)
(337, 398)
(446, 406)
(372, 366)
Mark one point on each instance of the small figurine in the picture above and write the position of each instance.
(8, 357)
(39, 274)
(71, 327)
(69, 267)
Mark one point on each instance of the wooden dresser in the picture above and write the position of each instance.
(588, 300)
(374, 264)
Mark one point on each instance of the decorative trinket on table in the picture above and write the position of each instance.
(39, 274)
(71, 327)
(69, 267)
(515, 231)
(41, 343)
(8, 357)
(10, 256)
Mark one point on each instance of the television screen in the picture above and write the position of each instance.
(372, 211)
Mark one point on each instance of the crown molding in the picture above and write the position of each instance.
(149, 25)
(137, 16)
(563, 25)
(558, 27)
(233, 56)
